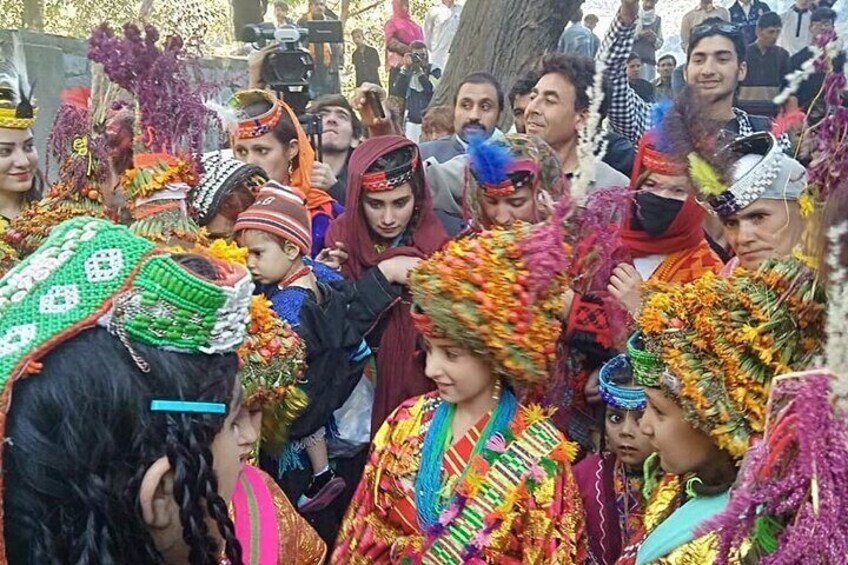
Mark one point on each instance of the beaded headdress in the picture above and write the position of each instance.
(17, 108)
(498, 293)
(499, 167)
(617, 395)
(723, 340)
(760, 170)
(92, 272)
(273, 360)
(221, 175)
(381, 181)
(169, 126)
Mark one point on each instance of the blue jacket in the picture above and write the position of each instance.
(748, 24)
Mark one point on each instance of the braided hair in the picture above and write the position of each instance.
(80, 436)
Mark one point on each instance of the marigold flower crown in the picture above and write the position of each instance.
(723, 340)
(273, 360)
(478, 291)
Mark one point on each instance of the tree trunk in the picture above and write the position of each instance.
(34, 15)
(505, 38)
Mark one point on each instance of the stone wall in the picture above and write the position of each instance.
(55, 63)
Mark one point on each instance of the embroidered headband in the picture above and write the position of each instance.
(649, 158)
(92, 272)
(251, 127)
(519, 174)
(617, 396)
(381, 181)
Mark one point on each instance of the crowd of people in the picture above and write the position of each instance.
(614, 335)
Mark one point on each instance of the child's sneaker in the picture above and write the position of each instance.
(322, 491)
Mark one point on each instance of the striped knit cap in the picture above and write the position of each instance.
(281, 211)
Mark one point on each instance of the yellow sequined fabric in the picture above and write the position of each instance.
(299, 543)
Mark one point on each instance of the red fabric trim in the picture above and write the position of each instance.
(648, 157)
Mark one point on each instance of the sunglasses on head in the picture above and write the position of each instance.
(714, 27)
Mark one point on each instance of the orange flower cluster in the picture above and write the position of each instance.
(725, 339)
(32, 226)
(272, 362)
(152, 173)
(475, 291)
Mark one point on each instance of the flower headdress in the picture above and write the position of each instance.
(723, 340)
(789, 504)
(169, 126)
(92, 272)
(17, 108)
(81, 147)
(499, 293)
(273, 360)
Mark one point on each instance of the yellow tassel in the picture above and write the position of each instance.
(705, 176)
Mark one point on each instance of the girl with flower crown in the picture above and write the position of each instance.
(717, 344)
(611, 482)
(466, 473)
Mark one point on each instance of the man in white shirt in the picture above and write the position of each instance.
(440, 26)
(796, 26)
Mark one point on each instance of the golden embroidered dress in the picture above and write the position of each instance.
(527, 511)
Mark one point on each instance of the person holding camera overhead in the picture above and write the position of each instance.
(327, 57)
(415, 84)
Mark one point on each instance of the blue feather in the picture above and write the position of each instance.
(661, 108)
(489, 159)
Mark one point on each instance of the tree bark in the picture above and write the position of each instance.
(505, 38)
(34, 15)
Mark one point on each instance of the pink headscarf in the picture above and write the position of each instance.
(401, 27)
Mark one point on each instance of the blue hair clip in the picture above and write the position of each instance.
(188, 406)
(623, 398)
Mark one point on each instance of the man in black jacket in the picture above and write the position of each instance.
(366, 60)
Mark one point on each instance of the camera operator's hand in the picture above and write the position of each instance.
(407, 61)
(359, 102)
(254, 65)
(322, 176)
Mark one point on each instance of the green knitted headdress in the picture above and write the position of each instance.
(91, 272)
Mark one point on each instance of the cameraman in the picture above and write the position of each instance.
(415, 84)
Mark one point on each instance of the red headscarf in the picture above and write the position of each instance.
(399, 375)
(686, 231)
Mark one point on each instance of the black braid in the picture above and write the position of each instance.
(183, 450)
(218, 510)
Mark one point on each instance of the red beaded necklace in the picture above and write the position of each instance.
(302, 272)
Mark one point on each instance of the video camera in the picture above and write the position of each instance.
(288, 68)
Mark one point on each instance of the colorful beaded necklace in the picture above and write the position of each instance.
(429, 500)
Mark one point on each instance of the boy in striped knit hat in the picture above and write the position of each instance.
(331, 316)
